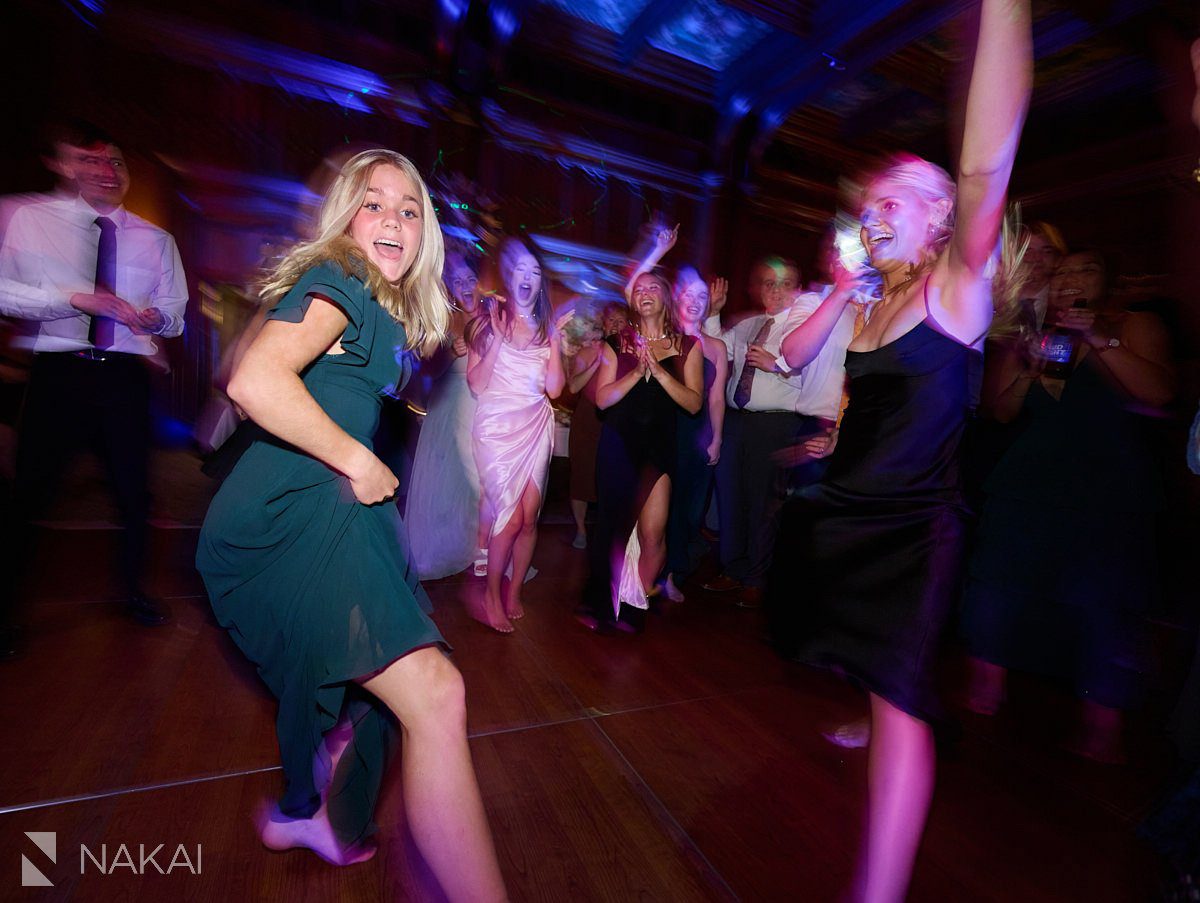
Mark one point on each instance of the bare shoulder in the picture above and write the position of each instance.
(712, 348)
(957, 300)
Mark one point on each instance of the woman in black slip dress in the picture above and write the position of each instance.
(879, 539)
(646, 375)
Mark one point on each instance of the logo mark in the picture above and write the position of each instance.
(31, 875)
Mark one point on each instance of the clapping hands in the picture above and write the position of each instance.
(558, 339)
(645, 355)
(496, 315)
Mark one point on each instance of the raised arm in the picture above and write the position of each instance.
(718, 293)
(664, 240)
(997, 99)
(266, 384)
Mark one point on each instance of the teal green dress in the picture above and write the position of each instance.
(314, 587)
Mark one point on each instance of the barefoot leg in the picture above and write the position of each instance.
(652, 527)
(523, 546)
(279, 833)
(499, 549)
(441, 797)
(900, 772)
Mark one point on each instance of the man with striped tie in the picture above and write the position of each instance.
(767, 411)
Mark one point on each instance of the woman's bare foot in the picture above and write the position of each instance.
(493, 615)
(279, 833)
(852, 735)
(512, 603)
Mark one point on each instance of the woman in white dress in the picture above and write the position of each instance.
(443, 512)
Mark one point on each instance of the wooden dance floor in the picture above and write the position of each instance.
(684, 764)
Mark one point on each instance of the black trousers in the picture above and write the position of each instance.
(72, 404)
(751, 487)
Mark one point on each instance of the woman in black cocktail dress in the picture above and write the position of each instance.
(647, 374)
(874, 551)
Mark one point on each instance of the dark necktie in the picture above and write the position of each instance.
(745, 383)
(101, 332)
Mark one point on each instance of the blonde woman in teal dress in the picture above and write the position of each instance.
(303, 553)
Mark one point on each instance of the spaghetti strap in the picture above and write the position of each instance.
(925, 299)
(937, 327)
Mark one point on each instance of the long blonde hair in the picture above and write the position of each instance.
(418, 300)
(1010, 319)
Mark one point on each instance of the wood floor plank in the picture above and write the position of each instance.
(682, 764)
(802, 830)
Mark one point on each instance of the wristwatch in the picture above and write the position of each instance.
(1112, 343)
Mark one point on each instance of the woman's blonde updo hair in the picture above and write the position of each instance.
(418, 300)
(931, 183)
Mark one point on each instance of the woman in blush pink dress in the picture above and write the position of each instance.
(514, 367)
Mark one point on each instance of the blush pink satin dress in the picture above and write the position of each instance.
(514, 430)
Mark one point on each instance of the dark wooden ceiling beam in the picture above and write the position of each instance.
(812, 80)
(769, 68)
(647, 23)
(505, 18)
(450, 16)
(592, 48)
(792, 16)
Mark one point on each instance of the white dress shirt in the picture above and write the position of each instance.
(49, 254)
(815, 390)
(823, 381)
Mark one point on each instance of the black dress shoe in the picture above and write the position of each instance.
(146, 611)
(722, 583)
(749, 597)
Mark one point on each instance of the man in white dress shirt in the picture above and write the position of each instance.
(770, 409)
(91, 285)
